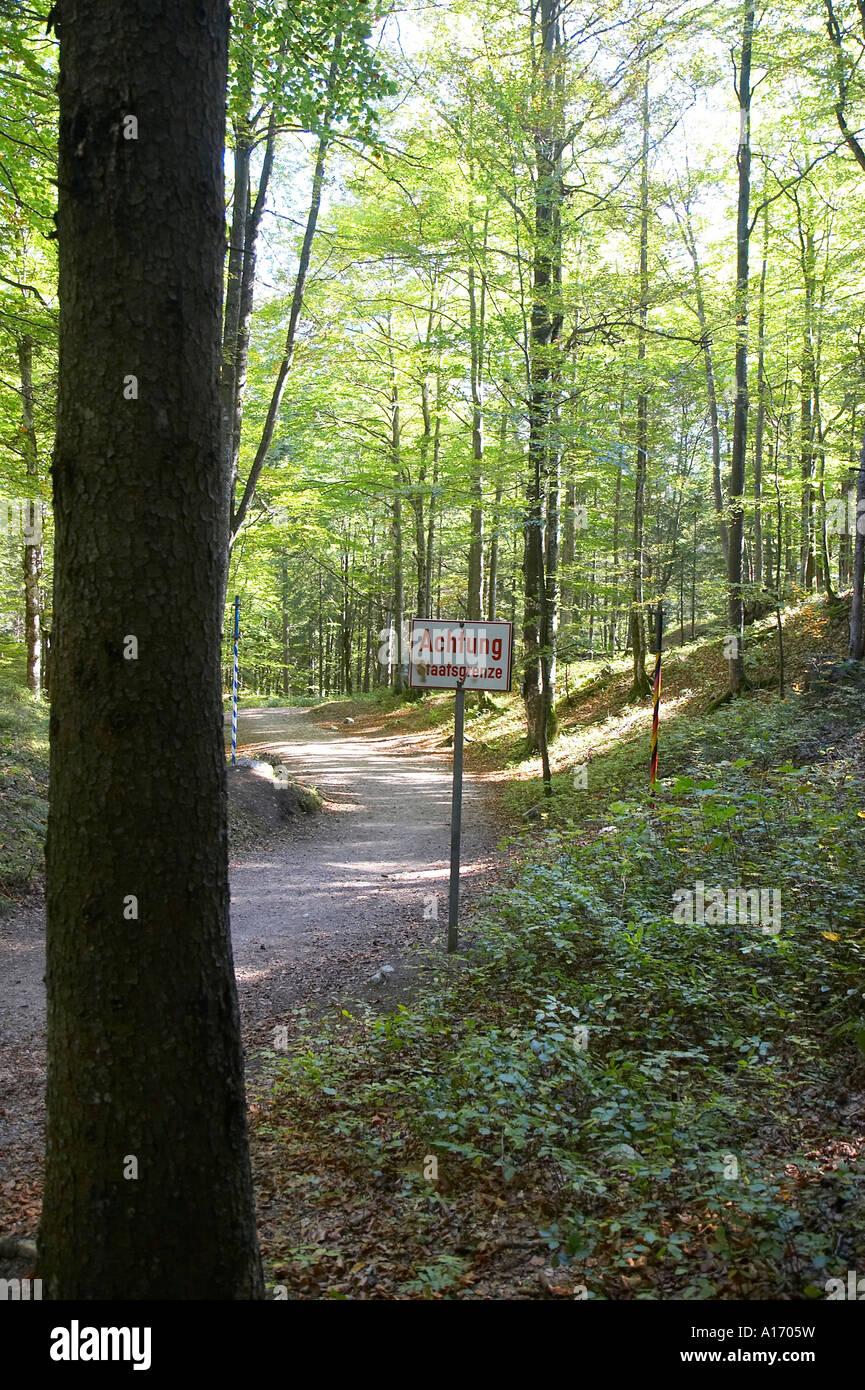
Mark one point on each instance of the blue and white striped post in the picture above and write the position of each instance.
(234, 681)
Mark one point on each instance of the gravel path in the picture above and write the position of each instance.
(361, 886)
(314, 915)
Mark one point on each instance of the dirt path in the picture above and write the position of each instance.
(314, 920)
(314, 915)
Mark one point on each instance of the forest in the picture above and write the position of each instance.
(547, 315)
(322, 317)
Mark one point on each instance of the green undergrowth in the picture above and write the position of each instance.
(23, 791)
(251, 700)
(673, 1108)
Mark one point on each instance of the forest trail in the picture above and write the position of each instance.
(315, 917)
(314, 914)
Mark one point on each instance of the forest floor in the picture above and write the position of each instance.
(601, 1099)
(596, 1098)
(339, 867)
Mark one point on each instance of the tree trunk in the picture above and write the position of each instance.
(736, 605)
(641, 685)
(285, 624)
(320, 633)
(493, 575)
(694, 577)
(477, 318)
(247, 296)
(396, 534)
(231, 315)
(546, 323)
(857, 626)
(617, 511)
(568, 552)
(239, 516)
(426, 607)
(687, 230)
(148, 1192)
(552, 535)
(420, 549)
(367, 653)
(760, 424)
(347, 623)
(32, 523)
(807, 559)
(822, 536)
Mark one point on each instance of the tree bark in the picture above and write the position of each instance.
(552, 544)
(396, 534)
(285, 595)
(690, 241)
(641, 685)
(477, 320)
(32, 549)
(735, 559)
(807, 560)
(347, 622)
(760, 424)
(617, 511)
(430, 436)
(822, 536)
(844, 70)
(239, 515)
(568, 552)
(426, 608)
(420, 543)
(493, 573)
(231, 315)
(546, 323)
(857, 605)
(246, 300)
(148, 1192)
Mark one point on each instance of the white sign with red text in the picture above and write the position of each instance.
(475, 655)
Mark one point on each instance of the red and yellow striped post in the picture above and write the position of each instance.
(653, 765)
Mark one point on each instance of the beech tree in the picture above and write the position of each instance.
(147, 1190)
(736, 533)
(641, 684)
(317, 77)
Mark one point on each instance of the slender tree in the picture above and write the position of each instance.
(33, 522)
(736, 551)
(641, 685)
(546, 325)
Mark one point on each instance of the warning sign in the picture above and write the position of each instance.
(472, 655)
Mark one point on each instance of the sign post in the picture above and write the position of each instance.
(459, 656)
(456, 818)
(653, 764)
(234, 680)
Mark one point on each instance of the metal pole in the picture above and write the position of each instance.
(234, 681)
(653, 766)
(456, 818)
